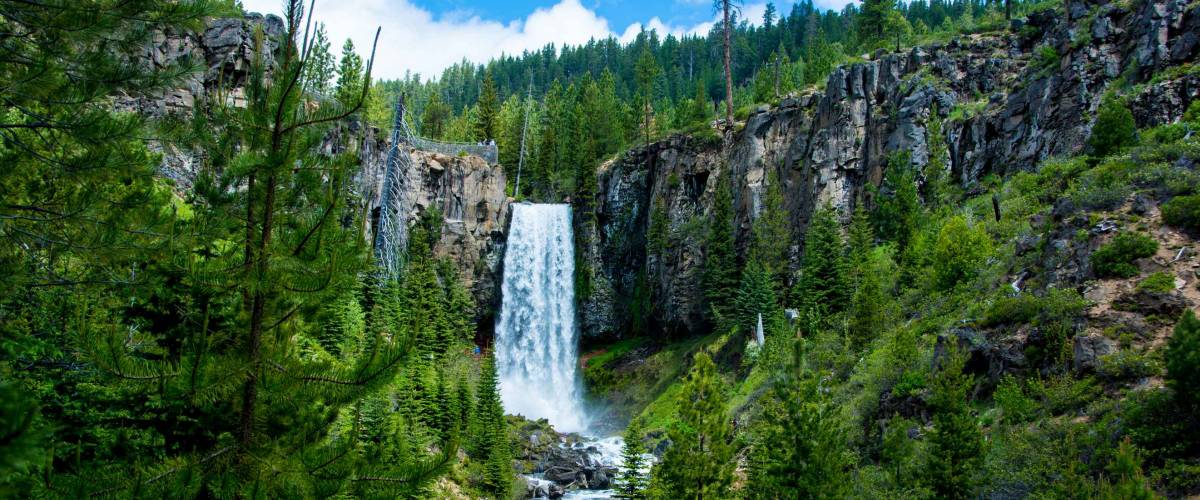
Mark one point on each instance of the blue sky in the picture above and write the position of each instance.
(426, 36)
(618, 12)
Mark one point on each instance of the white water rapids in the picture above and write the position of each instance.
(537, 352)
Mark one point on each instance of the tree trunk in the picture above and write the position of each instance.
(256, 253)
(728, 67)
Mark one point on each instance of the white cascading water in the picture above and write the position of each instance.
(536, 347)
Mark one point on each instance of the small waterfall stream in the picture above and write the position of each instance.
(537, 352)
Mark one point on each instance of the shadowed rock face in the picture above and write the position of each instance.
(1005, 106)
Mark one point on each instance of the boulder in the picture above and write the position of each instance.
(1087, 350)
(985, 356)
(1164, 305)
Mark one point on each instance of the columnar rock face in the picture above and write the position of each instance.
(467, 190)
(223, 52)
(470, 195)
(1006, 101)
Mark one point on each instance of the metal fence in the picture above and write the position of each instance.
(486, 151)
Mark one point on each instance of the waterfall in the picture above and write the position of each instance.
(536, 347)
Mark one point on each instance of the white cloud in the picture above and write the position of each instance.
(416, 40)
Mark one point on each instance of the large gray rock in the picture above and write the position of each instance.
(1164, 305)
(1087, 350)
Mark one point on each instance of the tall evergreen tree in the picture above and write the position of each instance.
(320, 67)
(433, 117)
(646, 72)
(725, 7)
(490, 432)
(824, 282)
(250, 265)
(898, 207)
(871, 24)
(631, 483)
(801, 450)
(1126, 481)
(720, 276)
(486, 121)
(755, 296)
(350, 81)
(699, 463)
(772, 233)
(1183, 360)
(956, 443)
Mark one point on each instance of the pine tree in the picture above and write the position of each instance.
(755, 296)
(720, 261)
(869, 308)
(1183, 360)
(631, 482)
(350, 81)
(872, 22)
(772, 233)
(76, 173)
(490, 433)
(938, 187)
(725, 7)
(898, 208)
(444, 410)
(1125, 481)
(433, 118)
(646, 71)
(956, 443)
(250, 268)
(320, 67)
(824, 282)
(861, 243)
(699, 463)
(460, 305)
(700, 107)
(548, 152)
(801, 450)
(486, 121)
(463, 402)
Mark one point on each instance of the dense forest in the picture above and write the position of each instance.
(236, 338)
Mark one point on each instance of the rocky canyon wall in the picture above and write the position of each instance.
(1006, 100)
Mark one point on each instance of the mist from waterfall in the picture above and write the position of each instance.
(536, 347)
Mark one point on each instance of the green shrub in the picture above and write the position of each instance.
(1012, 310)
(959, 253)
(1178, 476)
(1114, 129)
(1063, 393)
(1016, 406)
(1183, 212)
(1193, 112)
(1158, 282)
(910, 384)
(1055, 306)
(1115, 260)
(1165, 134)
(1105, 186)
(1046, 57)
(1126, 364)
(1166, 179)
